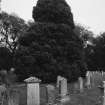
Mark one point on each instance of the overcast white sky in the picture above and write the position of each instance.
(88, 12)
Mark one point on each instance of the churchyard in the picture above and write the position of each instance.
(48, 47)
(89, 91)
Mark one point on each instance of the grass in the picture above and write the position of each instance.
(91, 96)
(88, 97)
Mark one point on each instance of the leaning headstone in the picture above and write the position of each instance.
(33, 91)
(81, 84)
(50, 94)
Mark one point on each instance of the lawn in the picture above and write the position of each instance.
(91, 96)
(88, 97)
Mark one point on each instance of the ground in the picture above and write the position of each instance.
(91, 96)
(88, 97)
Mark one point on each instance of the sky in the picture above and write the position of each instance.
(89, 13)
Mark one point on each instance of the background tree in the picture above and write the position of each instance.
(89, 44)
(11, 27)
(84, 33)
(5, 58)
(98, 53)
(50, 47)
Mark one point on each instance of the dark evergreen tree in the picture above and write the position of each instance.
(50, 46)
(5, 58)
(53, 11)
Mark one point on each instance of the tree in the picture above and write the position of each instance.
(51, 41)
(95, 53)
(88, 39)
(98, 53)
(53, 11)
(85, 34)
(11, 28)
(5, 58)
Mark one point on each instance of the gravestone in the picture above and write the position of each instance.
(62, 85)
(33, 91)
(59, 78)
(81, 84)
(93, 77)
(50, 94)
(88, 83)
(64, 90)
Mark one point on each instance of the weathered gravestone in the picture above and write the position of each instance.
(81, 84)
(93, 77)
(33, 91)
(59, 78)
(62, 85)
(51, 96)
(63, 91)
(88, 83)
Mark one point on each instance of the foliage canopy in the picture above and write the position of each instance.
(51, 43)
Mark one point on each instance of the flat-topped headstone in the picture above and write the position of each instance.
(33, 91)
(32, 80)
